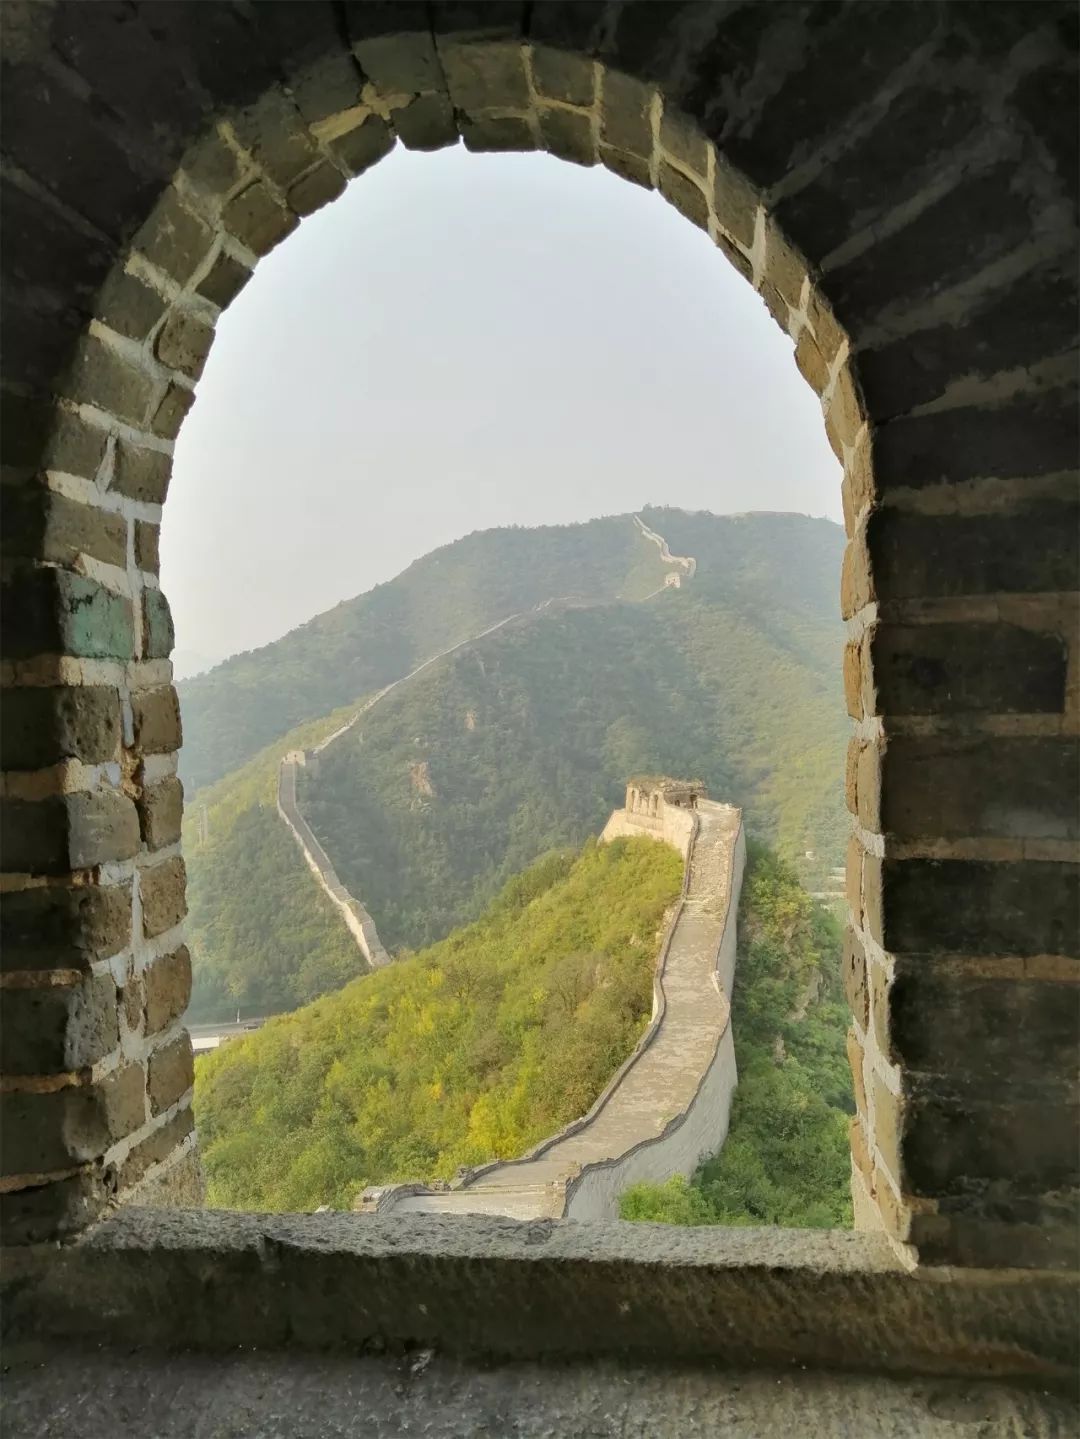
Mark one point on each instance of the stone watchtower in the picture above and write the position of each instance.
(648, 795)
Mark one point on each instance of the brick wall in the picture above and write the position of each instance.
(901, 195)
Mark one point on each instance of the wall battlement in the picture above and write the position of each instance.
(667, 1107)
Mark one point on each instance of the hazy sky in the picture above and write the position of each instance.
(464, 341)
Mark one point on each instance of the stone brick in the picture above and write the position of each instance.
(888, 1129)
(1022, 437)
(567, 135)
(73, 446)
(972, 907)
(484, 77)
(129, 306)
(141, 474)
(42, 1133)
(426, 123)
(687, 197)
(496, 133)
(853, 878)
(683, 141)
(36, 522)
(273, 133)
(844, 418)
(184, 343)
(160, 809)
(174, 238)
(170, 1073)
(952, 1146)
(784, 269)
(155, 1148)
(823, 322)
(853, 679)
(101, 376)
(853, 964)
(985, 1244)
(55, 1029)
(857, 588)
(224, 280)
(1009, 787)
(1003, 1031)
(811, 362)
(147, 546)
(851, 776)
(1030, 550)
(71, 831)
(52, 611)
(162, 891)
(404, 62)
(156, 716)
(329, 85)
(316, 189)
(63, 926)
(171, 411)
(559, 76)
(966, 669)
(45, 1212)
(736, 202)
(360, 148)
(256, 219)
(868, 783)
(855, 1060)
(625, 115)
(167, 986)
(211, 165)
(627, 167)
(133, 1003)
(42, 725)
(158, 634)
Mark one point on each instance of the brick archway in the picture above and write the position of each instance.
(910, 227)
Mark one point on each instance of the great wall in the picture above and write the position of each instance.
(668, 1104)
(356, 916)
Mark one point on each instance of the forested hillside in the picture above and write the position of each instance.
(364, 643)
(473, 1049)
(786, 1160)
(523, 742)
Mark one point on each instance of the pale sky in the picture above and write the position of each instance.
(463, 341)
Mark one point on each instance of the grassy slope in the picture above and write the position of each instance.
(786, 1160)
(473, 1049)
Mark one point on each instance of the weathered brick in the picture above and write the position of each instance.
(683, 141)
(1009, 787)
(160, 808)
(73, 445)
(736, 202)
(158, 633)
(256, 219)
(184, 343)
(484, 77)
(316, 189)
(63, 926)
(53, 1211)
(329, 85)
(972, 907)
(889, 1114)
(811, 362)
(41, 1133)
(785, 270)
(128, 305)
(53, 611)
(853, 964)
(869, 786)
(211, 165)
(358, 149)
(103, 377)
(1002, 1031)
(857, 587)
(54, 1029)
(851, 776)
(42, 725)
(224, 280)
(625, 116)
(70, 831)
(156, 716)
(426, 122)
(853, 679)
(855, 1060)
(404, 62)
(140, 473)
(966, 668)
(167, 985)
(40, 523)
(567, 135)
(159, 1144)
(627, 167)
(174, 238)
(496, 133)
(133, 1003)
(559, 76)
(952, 1146)
(170, 1073)
(687, 197)
(147, 546)
(1030, 550)
(273, 133)
(171, 411)
(162, 891)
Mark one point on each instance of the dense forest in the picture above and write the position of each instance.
(472, 1049)
(364, 643)
(523, 741)
(786, 1160)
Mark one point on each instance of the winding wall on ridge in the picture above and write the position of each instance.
(667, 1107)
